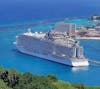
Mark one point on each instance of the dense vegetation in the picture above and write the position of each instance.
(11, 79)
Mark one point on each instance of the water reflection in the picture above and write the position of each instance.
(77, 69)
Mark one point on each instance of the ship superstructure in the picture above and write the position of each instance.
(53, 45)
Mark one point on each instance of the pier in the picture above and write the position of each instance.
(94, 62)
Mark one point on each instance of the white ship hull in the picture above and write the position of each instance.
(70, 62)
(52, 46)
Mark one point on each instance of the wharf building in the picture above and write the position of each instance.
(69, 28)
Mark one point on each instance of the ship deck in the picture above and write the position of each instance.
(60, 41)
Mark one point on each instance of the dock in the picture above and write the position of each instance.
(94, 62)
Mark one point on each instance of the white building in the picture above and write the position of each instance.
(66, 27)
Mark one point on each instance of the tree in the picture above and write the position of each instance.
(79, 86)
(53, 78)
(30, 81)
(3, 85)
(63, 85)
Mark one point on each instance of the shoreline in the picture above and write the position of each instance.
(88, 38)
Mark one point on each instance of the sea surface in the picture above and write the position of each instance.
(11, 58)
(21, 12)
(15, 11)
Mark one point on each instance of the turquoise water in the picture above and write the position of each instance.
(27, 12)
(82, 22)
(11, 58)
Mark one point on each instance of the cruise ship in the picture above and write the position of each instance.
(53, 45)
